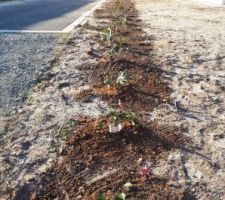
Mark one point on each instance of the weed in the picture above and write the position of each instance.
(107, 35)
(118, 44)
(41, 85)
(64, 38)
(63, 133)
(30, 98)
(102, 197)
(118, 24)
(118, 7)
(122, 40)
(72, 123)
(101, 125)
(40, 119)
(56, 61)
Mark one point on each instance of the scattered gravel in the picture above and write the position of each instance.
(23, 56)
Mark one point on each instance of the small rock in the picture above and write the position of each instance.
(115, 129)
(128, 185)
(79, 197)
(26, 145)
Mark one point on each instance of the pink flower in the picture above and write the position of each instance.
(145, 171)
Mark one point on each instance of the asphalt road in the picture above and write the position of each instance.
(24, 55)
(41, 14)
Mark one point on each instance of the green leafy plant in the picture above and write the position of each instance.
(115, 48)
(121, 196)
(122, 40)
(107, 81)
(101, 125)
(122, 78)
(118, 44)
(102, 197)
(120, 116)
(72, 123)
(63, 133)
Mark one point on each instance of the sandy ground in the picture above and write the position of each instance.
(189, 45)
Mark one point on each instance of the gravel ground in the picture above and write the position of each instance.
(23, 56)
(189, 46)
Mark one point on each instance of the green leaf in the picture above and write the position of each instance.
(102, 197)
(121, 196)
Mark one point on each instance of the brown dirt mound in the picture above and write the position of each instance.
(144, 89)
(97, 161)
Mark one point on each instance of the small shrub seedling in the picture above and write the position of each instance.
(122, 78)
(121, 116)
(118, 44)
(120, 119)
(115, 48)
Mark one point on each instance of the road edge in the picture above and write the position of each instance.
(83, 18)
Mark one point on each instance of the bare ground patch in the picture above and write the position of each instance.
(189, 46)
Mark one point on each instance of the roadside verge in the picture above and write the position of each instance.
(114, 153)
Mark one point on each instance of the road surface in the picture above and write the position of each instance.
(50, 15)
